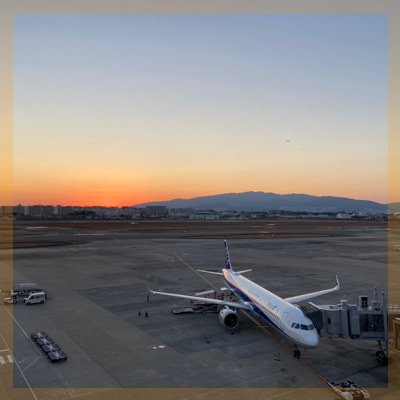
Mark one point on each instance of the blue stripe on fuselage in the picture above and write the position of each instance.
(247, 299)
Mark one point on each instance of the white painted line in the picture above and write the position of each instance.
(33, 362)
(84, 394)
(26, 380)
(2, 361)
(35, 347)
(10, 359)
(40, 354)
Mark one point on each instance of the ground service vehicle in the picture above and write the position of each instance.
(10, 300)
(34, 298)
(25, 289)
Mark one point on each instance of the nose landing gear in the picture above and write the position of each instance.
(296, 351)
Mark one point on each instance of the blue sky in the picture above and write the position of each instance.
(180, 105)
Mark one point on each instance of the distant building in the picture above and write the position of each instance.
(343, 216)
(204, 215)
(57, 210)
(232, 216)
(99, 211)
(35, 211)
(184, 211)
(131, 212)
(156, 211)
(47, 211)
(65, 211)
(113, 212)
(180, 213)
(136, 213)
(19, 209)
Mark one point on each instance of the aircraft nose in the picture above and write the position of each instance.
(312, 339)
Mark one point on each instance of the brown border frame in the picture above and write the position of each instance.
(9, 7)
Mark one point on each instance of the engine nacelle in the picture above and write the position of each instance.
(228, 318)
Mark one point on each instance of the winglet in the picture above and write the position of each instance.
(228, 264)
(337, 283)
(243, 272)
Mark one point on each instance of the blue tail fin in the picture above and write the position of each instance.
(228, 265)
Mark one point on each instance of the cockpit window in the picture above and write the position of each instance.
(297, 326)
(294, 323)
(304, 327)
(311, 327)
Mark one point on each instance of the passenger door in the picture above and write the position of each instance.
(283, 319)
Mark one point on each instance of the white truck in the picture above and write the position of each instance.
(35, 298)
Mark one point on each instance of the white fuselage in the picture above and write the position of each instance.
(282, 315)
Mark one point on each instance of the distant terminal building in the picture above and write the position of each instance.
(155, 211)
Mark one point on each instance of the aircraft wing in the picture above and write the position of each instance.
(210, 272)
(307, 296)
(207, 300)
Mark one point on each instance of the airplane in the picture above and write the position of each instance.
(282, 314)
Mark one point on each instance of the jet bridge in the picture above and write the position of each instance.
(367, 320)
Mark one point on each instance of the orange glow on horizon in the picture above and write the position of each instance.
(128, 182)
(103, 198)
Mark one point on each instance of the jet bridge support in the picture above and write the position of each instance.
(363, 321)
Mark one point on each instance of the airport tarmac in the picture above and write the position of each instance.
(98, 285)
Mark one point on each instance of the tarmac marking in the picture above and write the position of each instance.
(33, 362)
(3, 361)
(26, 380)
(35, 347)
(84, 394)
(286, 347)
(188, 265)
(69, 389)
(201, 276)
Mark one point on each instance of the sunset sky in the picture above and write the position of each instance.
(120, 109)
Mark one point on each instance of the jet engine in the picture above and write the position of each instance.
(228, 318)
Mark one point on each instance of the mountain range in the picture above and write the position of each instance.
(260, 201)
